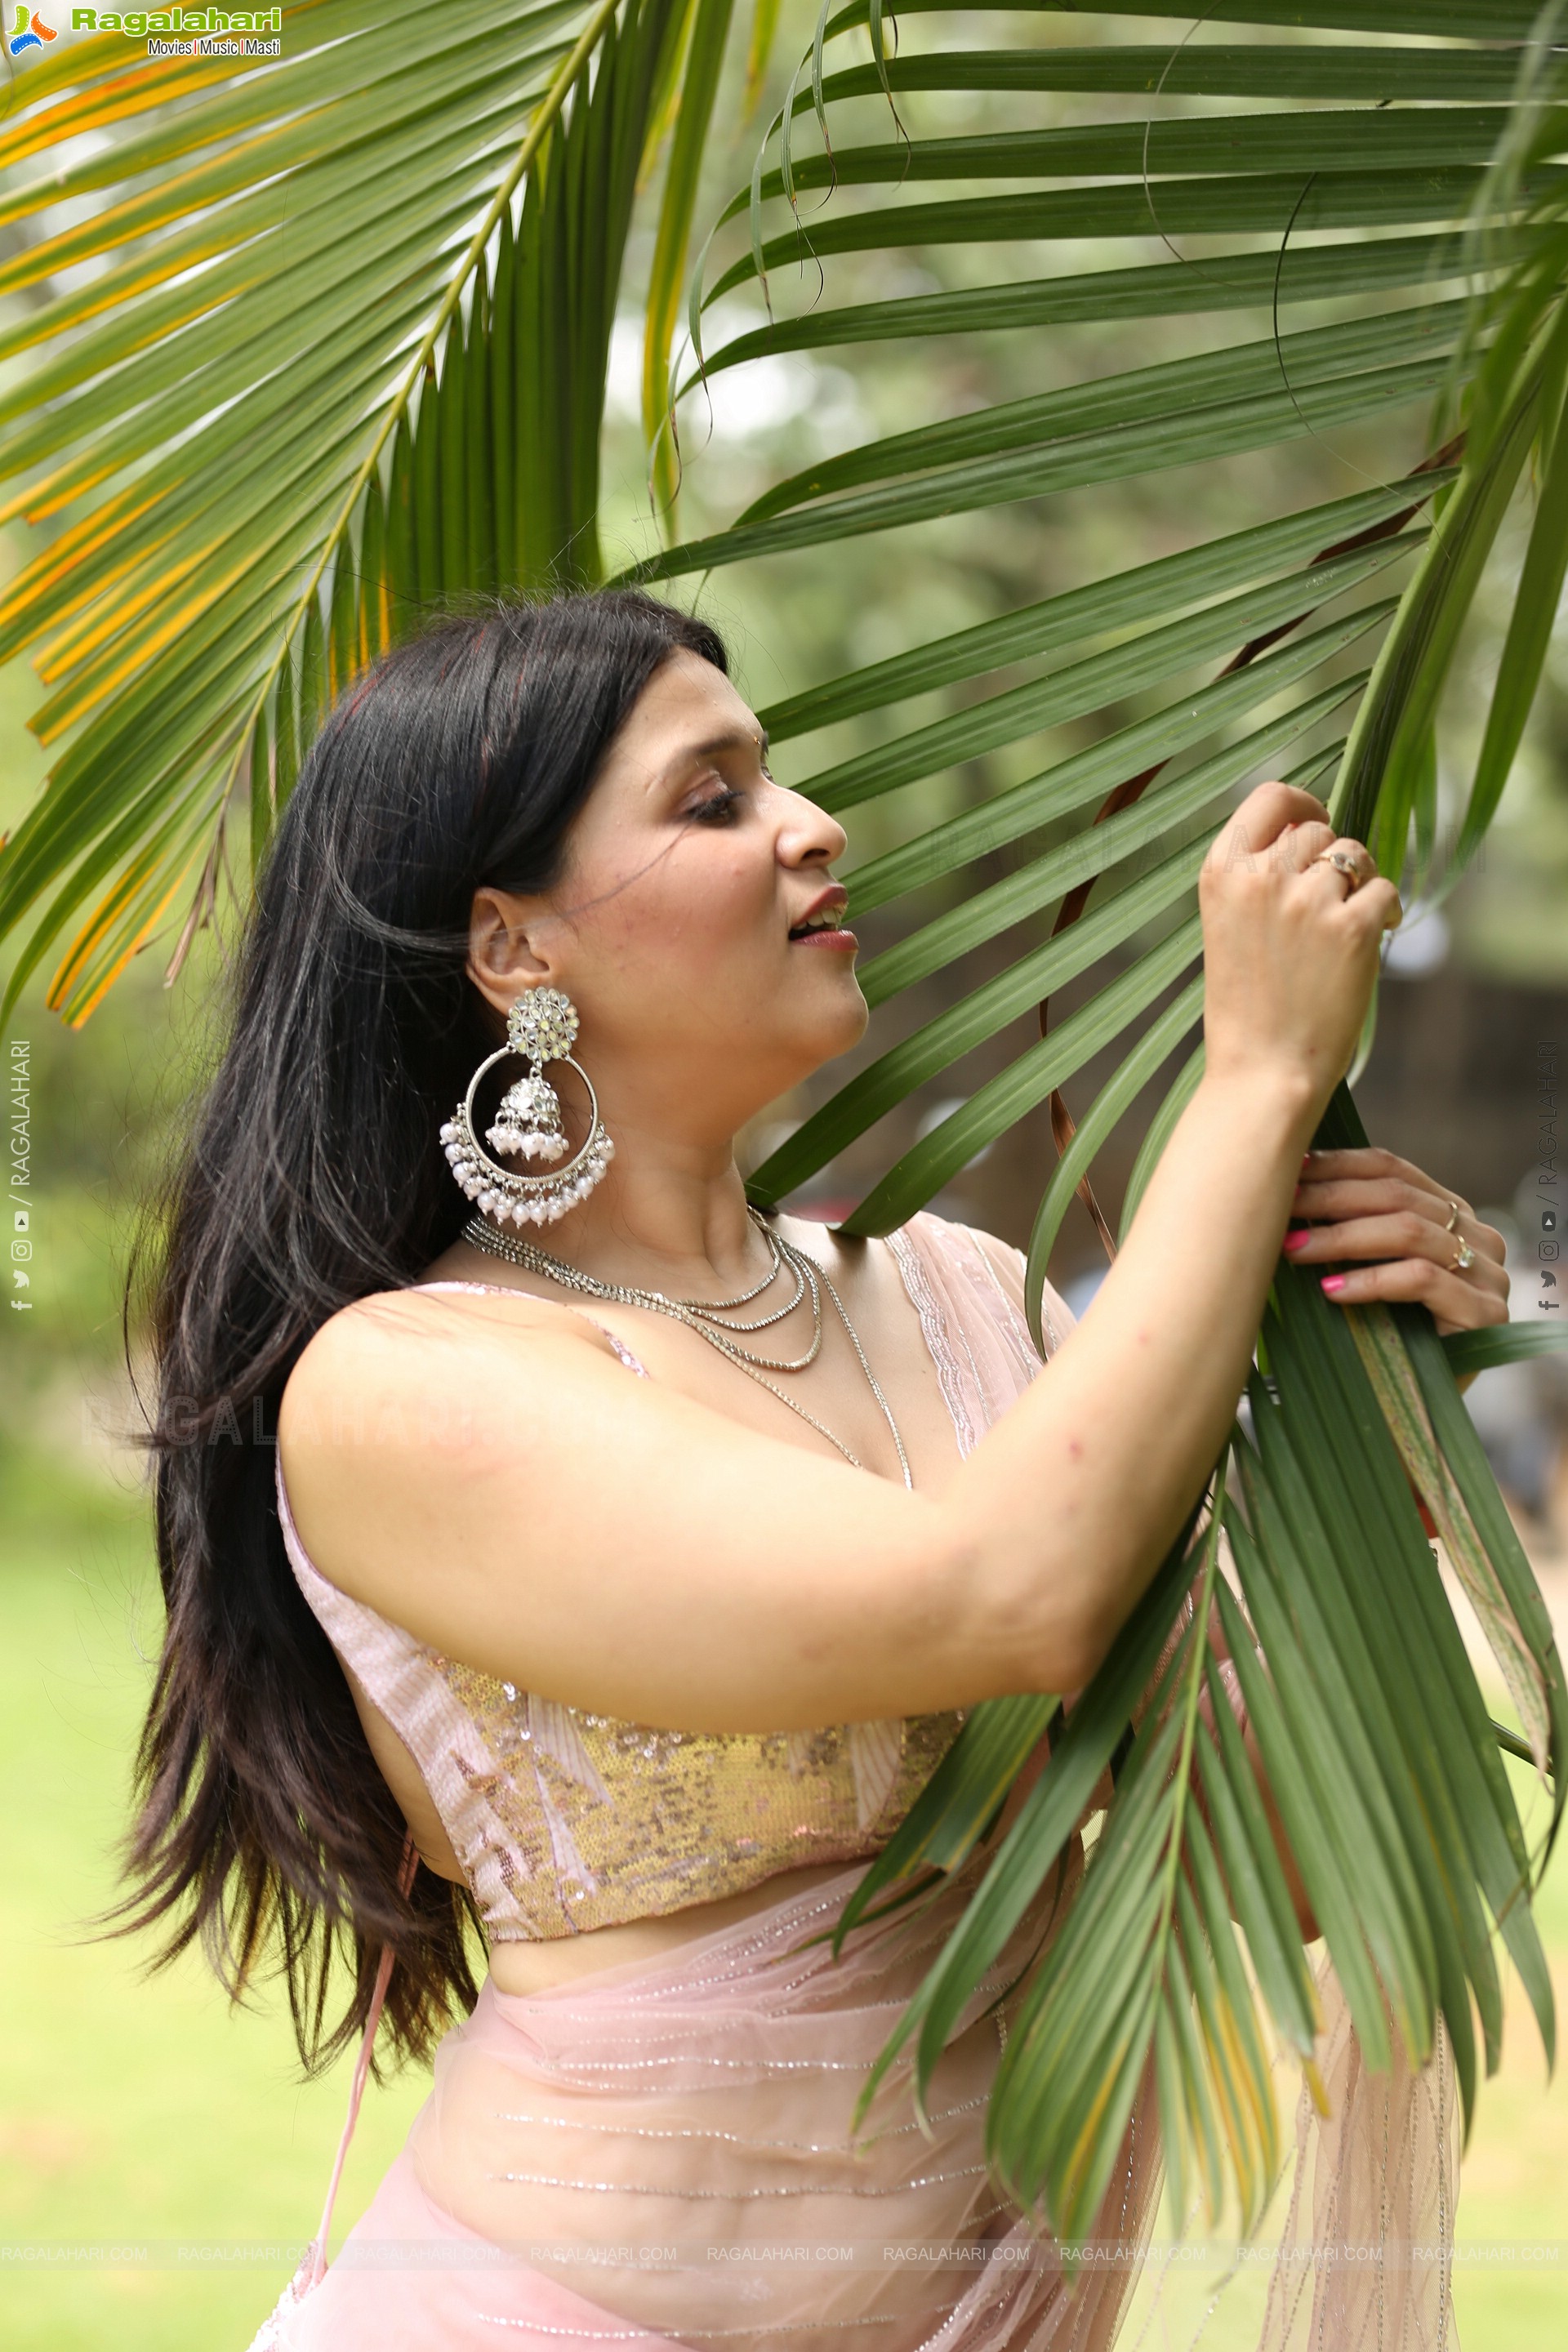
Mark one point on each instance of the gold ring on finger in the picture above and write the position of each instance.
(1453, 1217)
(1344, 864)
(1464, 1256)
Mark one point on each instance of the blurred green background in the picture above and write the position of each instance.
(140, 2112)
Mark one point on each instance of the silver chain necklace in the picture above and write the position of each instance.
(697, 1314)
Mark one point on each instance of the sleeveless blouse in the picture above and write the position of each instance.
(564, 1820)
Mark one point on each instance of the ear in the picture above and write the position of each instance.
(511, 941)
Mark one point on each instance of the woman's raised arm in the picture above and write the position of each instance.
(506, 1491)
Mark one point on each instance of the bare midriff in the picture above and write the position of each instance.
(586, 2137)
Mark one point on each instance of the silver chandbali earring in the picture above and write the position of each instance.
(540, 1027)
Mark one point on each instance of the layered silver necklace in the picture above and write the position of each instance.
(704, 1316)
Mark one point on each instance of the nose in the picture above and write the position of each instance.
(807, 836)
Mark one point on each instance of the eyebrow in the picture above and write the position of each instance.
(734, 738)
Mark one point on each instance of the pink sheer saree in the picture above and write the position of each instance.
(659, 2154)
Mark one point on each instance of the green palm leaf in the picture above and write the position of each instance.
(177, 612)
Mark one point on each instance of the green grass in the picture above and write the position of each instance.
(140, 2111)
(131, 2110)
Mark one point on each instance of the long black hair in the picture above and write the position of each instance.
(314, 1178)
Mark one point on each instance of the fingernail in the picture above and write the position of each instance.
(1332, 1282)
(1297, 1238)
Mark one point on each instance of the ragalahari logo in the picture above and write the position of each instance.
(137, 23)
(28, 31)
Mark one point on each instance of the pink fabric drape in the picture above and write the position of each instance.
(1366, 2247)
(662, 2154)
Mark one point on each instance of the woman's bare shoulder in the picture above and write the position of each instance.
(422, 1348)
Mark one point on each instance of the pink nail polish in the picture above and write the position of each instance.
(1332, 1282)
(1297, 1239)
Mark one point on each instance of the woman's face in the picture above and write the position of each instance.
(676, 927)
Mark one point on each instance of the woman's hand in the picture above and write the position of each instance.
(1409, 1238)
(1290, 943)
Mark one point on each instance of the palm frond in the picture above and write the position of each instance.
(1359, 138)
(344, 346)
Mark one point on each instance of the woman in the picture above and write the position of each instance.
(594, 1497)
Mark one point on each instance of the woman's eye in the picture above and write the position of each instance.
(719, 810)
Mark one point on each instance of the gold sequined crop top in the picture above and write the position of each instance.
(564, 1821)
